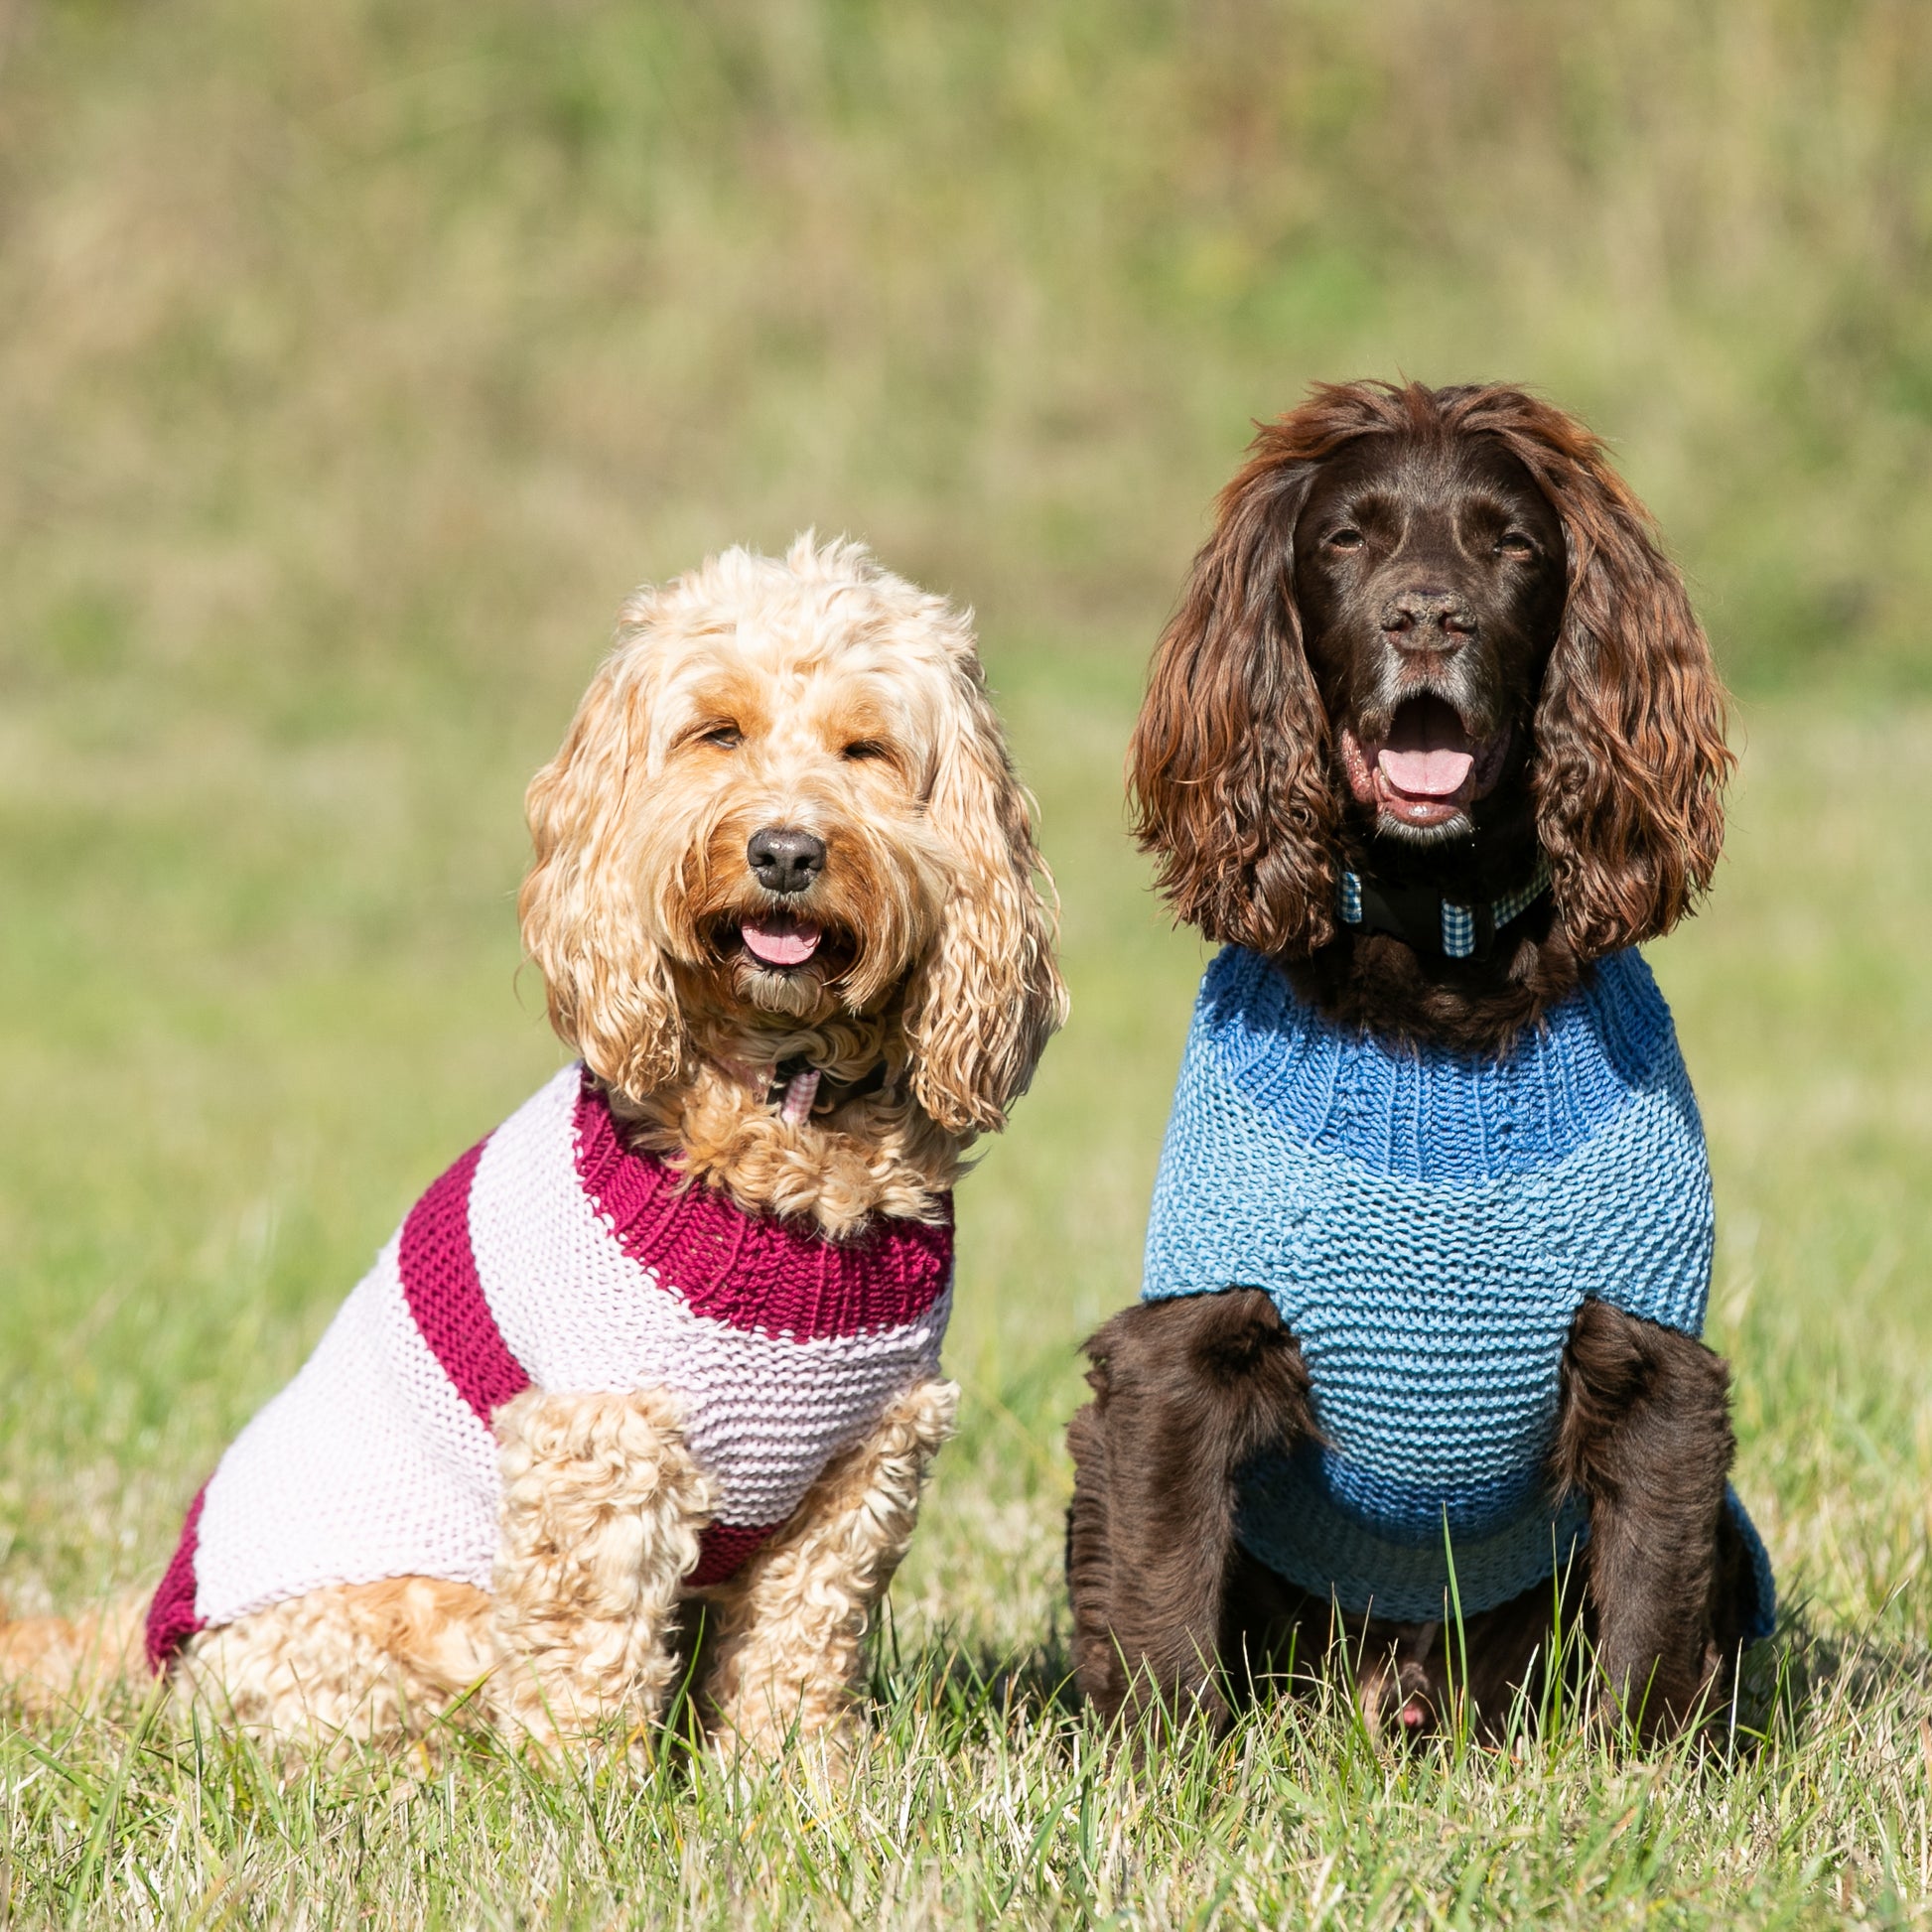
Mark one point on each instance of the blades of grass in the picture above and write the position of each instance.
(1459, 1715)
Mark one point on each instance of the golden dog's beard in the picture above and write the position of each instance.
(844, 946)
(837, 1003)
(804, 992)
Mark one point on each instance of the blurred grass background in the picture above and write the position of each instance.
(355, 358)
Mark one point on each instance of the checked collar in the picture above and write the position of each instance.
(1432, 923)
(795, 1087)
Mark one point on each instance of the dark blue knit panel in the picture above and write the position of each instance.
(1429, 1224)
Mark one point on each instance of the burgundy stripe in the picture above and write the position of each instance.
(723, 1548)
(439, 1282)
(757, 1271)
(171, 1617)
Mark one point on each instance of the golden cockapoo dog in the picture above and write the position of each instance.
(673, 1331)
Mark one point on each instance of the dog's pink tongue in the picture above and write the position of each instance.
(790, 944)
(1428, 775)
(1428, 755)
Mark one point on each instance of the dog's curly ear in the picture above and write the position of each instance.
(1630, 759)
(981, 1006)
(1228, 767)
(584, 920)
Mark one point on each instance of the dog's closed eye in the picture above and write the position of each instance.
(861, 748)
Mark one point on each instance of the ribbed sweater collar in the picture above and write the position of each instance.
(1428, 1114)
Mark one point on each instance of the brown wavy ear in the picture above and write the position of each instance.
(1630, 758)
(1229, 760)
(981, 1008)
(584, 920)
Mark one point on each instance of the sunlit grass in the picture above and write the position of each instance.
(224, 1130)
(382, 322)
(355, 358)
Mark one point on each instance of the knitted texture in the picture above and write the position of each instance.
(553, 1255)
(171, 1617)
(1429, 1224)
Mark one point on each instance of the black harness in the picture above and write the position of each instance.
(1430, 923)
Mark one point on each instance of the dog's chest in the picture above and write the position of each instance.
(1428, 1226)
(600, 1272)
(553, 1256)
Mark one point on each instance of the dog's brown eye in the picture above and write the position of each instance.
(1347, 538)
(728, 735)
(864, 747)
(1513, 544)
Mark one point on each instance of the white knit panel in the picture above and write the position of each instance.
(575, 1310)
(766, 1413)
(763, 1413)
(369, 1465)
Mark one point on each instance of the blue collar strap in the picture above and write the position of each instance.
(1429, 922)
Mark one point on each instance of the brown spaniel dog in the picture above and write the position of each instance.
(1430, 653)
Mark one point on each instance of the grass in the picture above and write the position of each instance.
(227, 1114)
(382, 324)
(354, 365)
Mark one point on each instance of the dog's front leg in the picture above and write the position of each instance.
(789, 1624)
(1186, 1391)
(1644, 1437)
(603, 1506)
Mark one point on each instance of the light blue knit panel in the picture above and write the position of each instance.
(1429, 1224)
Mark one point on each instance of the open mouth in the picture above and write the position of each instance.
(778, 962)
(1428, 770)
(778, 941)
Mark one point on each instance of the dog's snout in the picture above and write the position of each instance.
(1423, 618)
(784, 861)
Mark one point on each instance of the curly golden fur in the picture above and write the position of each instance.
(790, 1624)
(819, 693)
(832, 697)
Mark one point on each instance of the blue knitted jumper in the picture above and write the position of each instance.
(1429, 1224)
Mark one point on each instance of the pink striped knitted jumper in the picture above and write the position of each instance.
(553, 1255)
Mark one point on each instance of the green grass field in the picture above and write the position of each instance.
(355, 363)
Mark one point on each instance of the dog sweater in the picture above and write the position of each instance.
(554, 1254)
(1429, 1224)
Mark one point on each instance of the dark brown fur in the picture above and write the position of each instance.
(1233, 759)
(1595, 667)
(1169, 1612)
(1194, 1396)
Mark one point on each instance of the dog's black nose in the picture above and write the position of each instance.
(1425, 619)
(785, 861)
